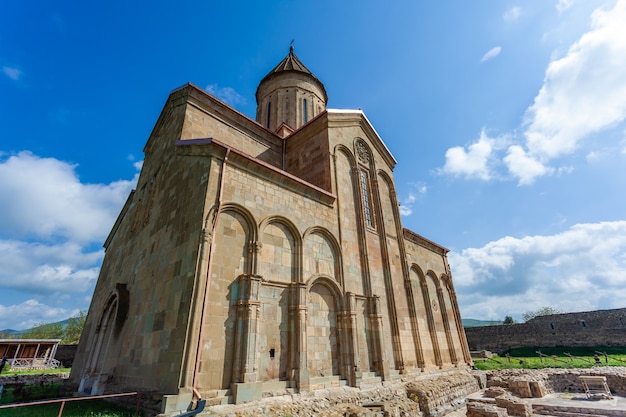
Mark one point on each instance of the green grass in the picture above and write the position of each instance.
(36, 392)
(87, 408)
(528, 358)
(53, 371)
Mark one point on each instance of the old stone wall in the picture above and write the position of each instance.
(590, 328)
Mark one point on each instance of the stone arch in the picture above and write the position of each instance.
(323, 327)
(322, 254)
(450, 314)
(428, 289)
(437, 327)
(279, 264)
(344, 149)
(422, 311)
(235, 235)
(93, 379)
(280, 249)
(349, 216)
(250, 221)
(387, 201)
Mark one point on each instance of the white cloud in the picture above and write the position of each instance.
(490, 54)
(31, 313)
(38, 267)
(583, 92)
(52, 228)
(418, 190)
(512, 14)
(12, 73)
(226, 94)
(473, 162)
(44, 198)
(574, 270)
(406, 208)
(524, 166)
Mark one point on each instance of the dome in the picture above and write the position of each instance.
(289, 94)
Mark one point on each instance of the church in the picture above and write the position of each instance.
(263, 255)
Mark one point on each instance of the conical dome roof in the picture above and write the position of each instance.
(289, 95)
(291, 63)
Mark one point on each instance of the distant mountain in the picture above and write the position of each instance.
(15, 334)
(11, 332)
(477, 323)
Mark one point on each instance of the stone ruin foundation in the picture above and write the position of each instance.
(504, 393)
(510, 392)
(424, 396)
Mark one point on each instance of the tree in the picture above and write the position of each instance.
(508, 320)
(543, 311)
(74, 328)
(69, 331)
(44, 331)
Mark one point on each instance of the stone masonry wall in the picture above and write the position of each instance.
(590, 328)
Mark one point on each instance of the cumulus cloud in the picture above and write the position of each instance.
(53, 226)
(524, 166)
(512, 14)
(38, 267)
(43, 198)
(12, 73)
(583, 93)
(575, 270)
(226, 94)
(490, 54)
(31, 313)
(473, 161)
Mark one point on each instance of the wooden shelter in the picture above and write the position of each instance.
(30, 353)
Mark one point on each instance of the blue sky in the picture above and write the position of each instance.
(507, 119)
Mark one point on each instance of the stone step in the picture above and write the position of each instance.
(227, 399)
(394, 375)
(323, 382)
(276, 386)
(217, 393)
(369, 381)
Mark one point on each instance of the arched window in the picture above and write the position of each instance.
(269, 112)
(304, 111)
(365, 190)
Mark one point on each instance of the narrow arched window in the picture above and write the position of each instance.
(367, 211)
(269, 112)
(304, 111)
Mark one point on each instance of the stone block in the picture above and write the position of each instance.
(172, 403)
(538, 389)
(513, 406)
(494, 392)
(481, 378)
(247, 391)
(476, 409)
(521, 388)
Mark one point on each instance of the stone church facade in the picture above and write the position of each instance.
(255, 256)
